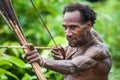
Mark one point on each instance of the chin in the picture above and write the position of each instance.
(73, 45)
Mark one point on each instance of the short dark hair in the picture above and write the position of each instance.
(86, 12)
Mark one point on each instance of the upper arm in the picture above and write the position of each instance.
(83, 62)
(90, 58)
(100, 54)
(97, 52)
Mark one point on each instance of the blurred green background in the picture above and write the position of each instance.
(13, 67)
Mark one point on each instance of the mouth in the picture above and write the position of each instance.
(71, 41)
(71, 38)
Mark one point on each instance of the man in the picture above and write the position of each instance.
(86, 57)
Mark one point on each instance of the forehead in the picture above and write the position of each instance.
(72, 16)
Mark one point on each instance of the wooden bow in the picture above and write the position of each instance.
(9, 16)
(40, 17)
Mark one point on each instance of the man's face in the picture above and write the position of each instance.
(73, 28)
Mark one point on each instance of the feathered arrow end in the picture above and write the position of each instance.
(9, 16)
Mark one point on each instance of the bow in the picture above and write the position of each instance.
(9, 16)
(40, 17)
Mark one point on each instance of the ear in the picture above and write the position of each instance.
(88, 25)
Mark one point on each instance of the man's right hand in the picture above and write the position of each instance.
(32, 55)
(58, 53)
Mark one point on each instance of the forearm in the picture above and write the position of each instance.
(61, 66)
(69, 66)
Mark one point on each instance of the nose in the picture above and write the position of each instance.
(68, 32)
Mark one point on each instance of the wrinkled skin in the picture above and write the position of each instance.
(56, 53)
(85, 58)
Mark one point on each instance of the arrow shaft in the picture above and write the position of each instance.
(23, 47)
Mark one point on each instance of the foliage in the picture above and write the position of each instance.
(13, 67)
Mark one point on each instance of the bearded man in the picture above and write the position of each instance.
(86, 57)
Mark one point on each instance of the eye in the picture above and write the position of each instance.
(65, 27)
(73, 26)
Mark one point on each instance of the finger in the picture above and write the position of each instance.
(29, 53)
(55, 55)
(32, 56)
(58, 57)
(62, 50)
(55, 47)
(34, 60)
(55, 52)
(29, 46)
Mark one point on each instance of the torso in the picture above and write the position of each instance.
(98, 72)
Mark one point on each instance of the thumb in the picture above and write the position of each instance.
(62, 51)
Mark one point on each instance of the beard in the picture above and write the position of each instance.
(74, 42)
(77, 41)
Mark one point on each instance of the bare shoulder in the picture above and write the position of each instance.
(101, 54)
(98, 52)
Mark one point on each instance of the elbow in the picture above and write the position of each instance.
(71, 70)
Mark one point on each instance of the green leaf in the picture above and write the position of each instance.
(26, 76)
(4, 62)
(3, 71)
(18, 62)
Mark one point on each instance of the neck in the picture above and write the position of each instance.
(87, 39)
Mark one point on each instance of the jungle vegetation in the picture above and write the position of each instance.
(13, 67)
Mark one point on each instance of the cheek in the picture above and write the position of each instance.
(78, 33)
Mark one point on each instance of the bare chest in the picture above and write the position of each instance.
(74, 52)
